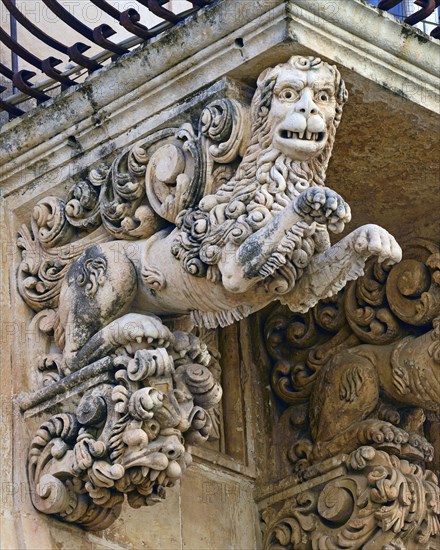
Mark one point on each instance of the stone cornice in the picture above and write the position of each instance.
(148, 81)
(372, 43)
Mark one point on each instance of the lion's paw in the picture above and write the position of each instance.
(142, 329)
(418, 447)
(376, 241)
(383, 435)
(323, 205)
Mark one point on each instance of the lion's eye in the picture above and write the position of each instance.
(323, 96)
(289, 94)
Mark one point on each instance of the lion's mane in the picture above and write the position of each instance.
(265, 183)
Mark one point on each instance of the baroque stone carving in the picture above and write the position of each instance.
(360, 374)
(367, 499)
(128, 434)
(214, 221)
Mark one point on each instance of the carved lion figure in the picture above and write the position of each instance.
(263, 235)
(362, 368)
(348, 389)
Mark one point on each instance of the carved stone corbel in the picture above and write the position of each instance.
(359, 379)
(212, 220)
(128, 434)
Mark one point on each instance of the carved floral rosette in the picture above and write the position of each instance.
(367, 500)
(127, 436)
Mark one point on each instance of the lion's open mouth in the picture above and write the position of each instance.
(306, 136)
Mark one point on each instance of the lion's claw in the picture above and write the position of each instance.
(383, 434)
(419, 446)
(323, 205)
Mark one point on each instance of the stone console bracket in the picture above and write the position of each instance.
(128, 433)
(357, 381)
(210, 220)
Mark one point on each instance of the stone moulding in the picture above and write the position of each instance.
(212, 220)
(118, 96)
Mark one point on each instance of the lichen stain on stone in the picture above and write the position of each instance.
(412, 32)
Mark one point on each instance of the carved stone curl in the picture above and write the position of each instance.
(128, 436)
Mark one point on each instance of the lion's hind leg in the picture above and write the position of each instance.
(372, 432)
(97, 290)
(346, 393)
(133, 331)
(345, 402)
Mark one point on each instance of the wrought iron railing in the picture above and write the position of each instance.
(130, 19)
(413, 12)
(23, 81)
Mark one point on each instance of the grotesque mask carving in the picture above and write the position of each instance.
(304, 107)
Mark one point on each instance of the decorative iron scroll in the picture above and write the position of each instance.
(129, 19)
(427, 7)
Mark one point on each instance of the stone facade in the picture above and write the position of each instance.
(160, 222)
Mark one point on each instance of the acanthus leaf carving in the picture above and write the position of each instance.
(82, 207)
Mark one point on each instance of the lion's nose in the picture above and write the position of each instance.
(306, 105)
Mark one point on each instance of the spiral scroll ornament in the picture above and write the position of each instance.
(127, 436)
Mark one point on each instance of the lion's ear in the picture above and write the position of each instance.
(264, 76)
(342, 93)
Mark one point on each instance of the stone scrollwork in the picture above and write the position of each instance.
(375, 500)
(214, 220)
(223, 123)
(128, 436)
(359, 378)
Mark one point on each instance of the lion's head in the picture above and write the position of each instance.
(295, 112)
